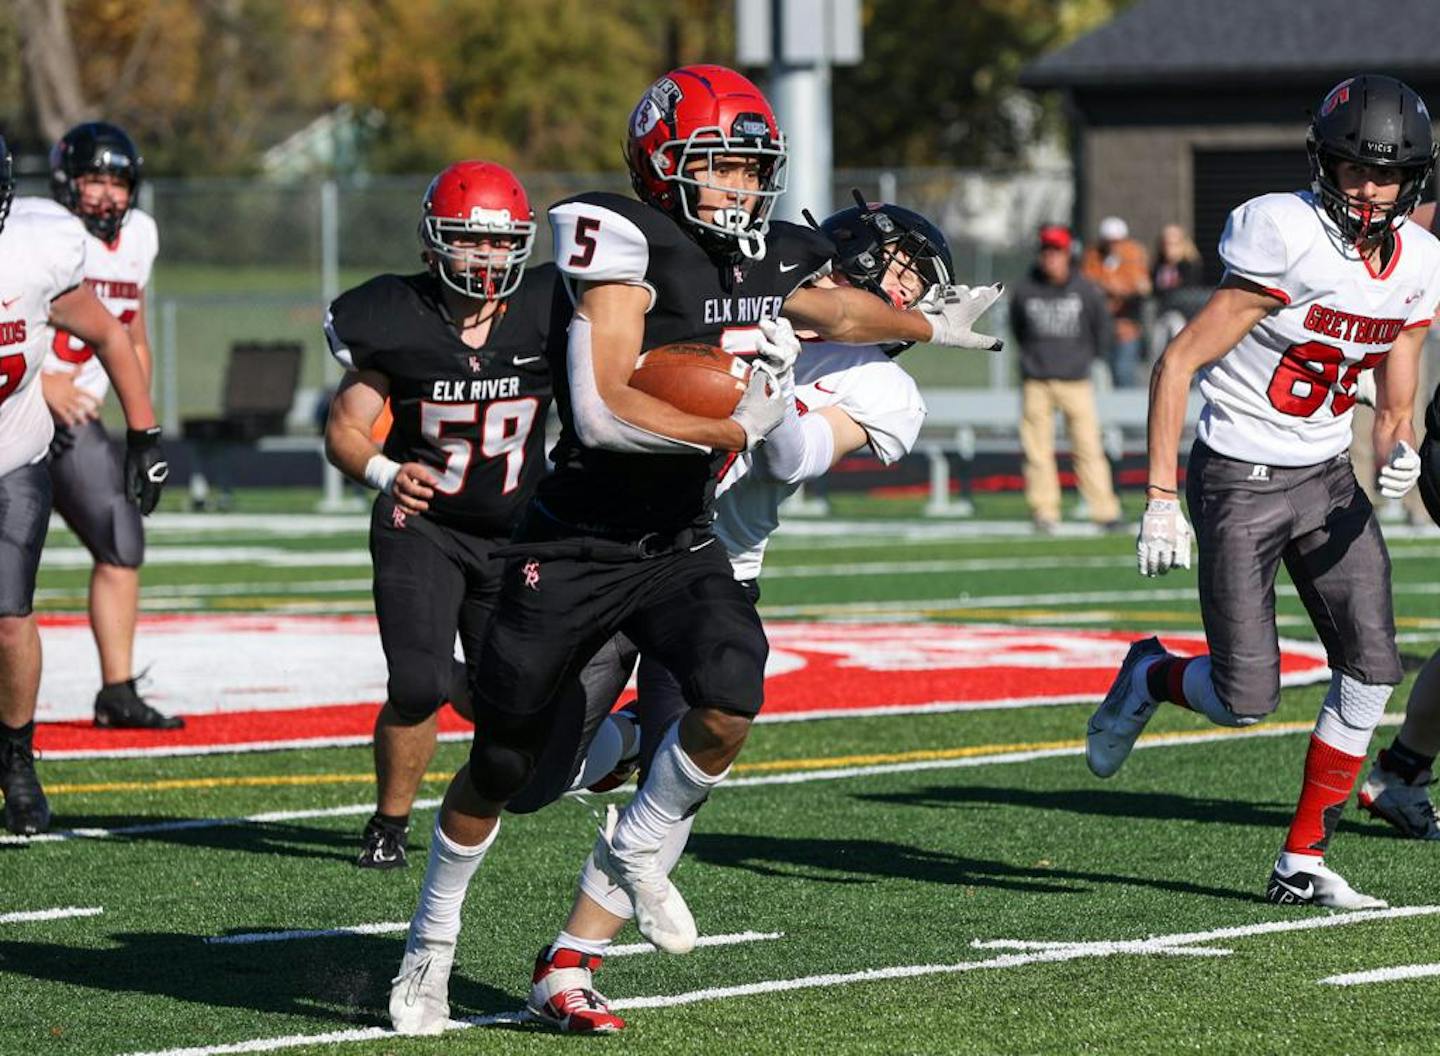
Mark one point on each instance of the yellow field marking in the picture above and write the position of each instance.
(771, 766)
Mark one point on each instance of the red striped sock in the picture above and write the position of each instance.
(1165, 679)
(1330, 776)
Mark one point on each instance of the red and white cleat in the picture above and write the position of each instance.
(562, 993)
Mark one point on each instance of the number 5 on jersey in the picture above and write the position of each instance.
(503, 432)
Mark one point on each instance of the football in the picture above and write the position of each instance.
(698, 379)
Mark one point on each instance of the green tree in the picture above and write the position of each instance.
(937, 84)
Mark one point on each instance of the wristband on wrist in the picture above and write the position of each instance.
(1157, 487)
(380, 473)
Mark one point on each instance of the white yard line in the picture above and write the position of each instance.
(397, 927)
(1159, 944)
(28, 915)
(1384, 975)
(1179, 740)
(248, 937)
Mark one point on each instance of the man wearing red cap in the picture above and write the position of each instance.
(1062, 325)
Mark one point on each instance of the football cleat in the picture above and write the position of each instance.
(1317, 885)
(660, 910)
(27, 811)
(1118, 720)
(420, 994)
(119, 706)
(562, 993)
(1404, 805)
(382, 846)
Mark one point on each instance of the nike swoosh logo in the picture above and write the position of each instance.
(822, 388)
(787, 267)
(520, 361)
(6, 304)
(1304, 894)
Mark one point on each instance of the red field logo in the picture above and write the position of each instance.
(251, 682)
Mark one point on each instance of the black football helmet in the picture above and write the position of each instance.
(869, 236)
(1371, 120)
(7, 182)
(94, 147)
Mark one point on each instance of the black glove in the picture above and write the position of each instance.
(145, 467)
(62, 441)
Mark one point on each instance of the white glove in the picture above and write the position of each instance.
(952, 311)
(777, 347)
(1399, 474)
(1164, 541)
(1365, 388)
(761, 407)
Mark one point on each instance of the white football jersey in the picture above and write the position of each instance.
(860, 380)
(118, 274)
(1283, 395)
(41, 257)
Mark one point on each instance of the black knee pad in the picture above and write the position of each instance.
(503, 754)
(416, 693)
(499, 771)
(731, 674)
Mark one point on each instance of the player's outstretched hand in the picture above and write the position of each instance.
(414, 487)
(953, 310)
(762, 405)
(777, 347)
(1164, 541)
(145, 468)
(1400, 472)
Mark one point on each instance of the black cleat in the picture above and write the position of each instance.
(27, 811)
(119, 706)
(382, 846)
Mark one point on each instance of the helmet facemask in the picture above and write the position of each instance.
(732, 227)
(1357, 220)
(485, 273)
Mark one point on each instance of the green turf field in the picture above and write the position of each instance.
(944, 883)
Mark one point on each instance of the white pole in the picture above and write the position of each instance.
(333, 499)
(169, 369)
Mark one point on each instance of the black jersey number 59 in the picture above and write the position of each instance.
(503, 433)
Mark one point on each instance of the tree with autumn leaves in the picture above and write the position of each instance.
(207, 85)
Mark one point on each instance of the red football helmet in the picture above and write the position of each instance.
(701, 113)
(477, 228)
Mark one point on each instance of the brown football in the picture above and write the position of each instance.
(698, 379)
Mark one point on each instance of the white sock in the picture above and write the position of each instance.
(614, 739)
(601, 889)
(447, 878)
(594, 947)
(1199, 689)
(673, 788)
(1349, 714)
(1291, 862)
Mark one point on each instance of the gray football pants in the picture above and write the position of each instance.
(1249, 519)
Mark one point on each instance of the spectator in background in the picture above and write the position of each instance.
(1178, 282)
(1062, 324)
(1120, 266)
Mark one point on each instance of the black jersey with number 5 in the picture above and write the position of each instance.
(694, 297)
(474, 415)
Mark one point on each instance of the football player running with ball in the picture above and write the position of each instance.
(1319, 287)
(843, 398)
(618, 537)
(42, 285)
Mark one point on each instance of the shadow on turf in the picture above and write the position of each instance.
(341, 980)
(1114, 803)
(284, 839)
(865, 861)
